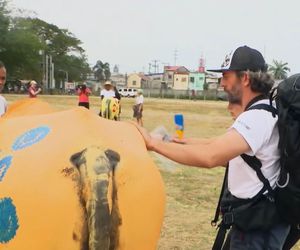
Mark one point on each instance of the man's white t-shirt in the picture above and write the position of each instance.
(3, 105)
(139, 99)
(107, 93)
(259, 129)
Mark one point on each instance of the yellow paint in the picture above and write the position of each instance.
(179, 133)
(110, 108)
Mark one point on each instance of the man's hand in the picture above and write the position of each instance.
(149, 140)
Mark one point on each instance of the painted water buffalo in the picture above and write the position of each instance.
(71, 180)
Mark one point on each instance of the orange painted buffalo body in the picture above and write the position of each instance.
(71, 180)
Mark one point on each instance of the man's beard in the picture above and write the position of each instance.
(235, 94)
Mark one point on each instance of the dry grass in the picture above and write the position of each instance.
(192, 193)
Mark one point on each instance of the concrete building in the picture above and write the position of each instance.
(181, 81)
(212, 80)
(118, 79)
(196, 81)
(138, 81)
(169, 76)
(155, 80)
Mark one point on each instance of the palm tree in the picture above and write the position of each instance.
(102, 71)
(279, 70)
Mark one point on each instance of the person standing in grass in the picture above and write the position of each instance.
(107, 91)
(33, 90)
(83, 94)
(138, 107)
(118, 97)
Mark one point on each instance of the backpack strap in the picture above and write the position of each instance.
(253, 161)
(256, 165)
(220, 238)
(266, 107)
(218, 208)
(256, 99)
(222, 226)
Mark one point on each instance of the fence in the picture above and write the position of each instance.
(211, 94)
(153, 93)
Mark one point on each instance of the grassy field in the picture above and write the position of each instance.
(192, 193)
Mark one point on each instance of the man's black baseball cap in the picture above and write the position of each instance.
(243, 58)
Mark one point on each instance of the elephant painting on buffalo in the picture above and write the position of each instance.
(71, 180)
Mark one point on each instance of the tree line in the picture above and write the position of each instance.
(25, 40)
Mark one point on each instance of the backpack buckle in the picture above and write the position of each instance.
(228, 218)
(286, 182)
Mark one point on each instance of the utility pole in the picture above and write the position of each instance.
(150, 65)
(66, 79)
(155, 66)
(46, 71)
(50, 72)
(52, 76)
(43, 64)
(175, 56)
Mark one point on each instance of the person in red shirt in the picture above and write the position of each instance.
(33, 90)
(83, 94)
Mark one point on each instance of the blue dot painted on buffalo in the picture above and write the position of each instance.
(8, 220)
(31, 137)
(4, 165)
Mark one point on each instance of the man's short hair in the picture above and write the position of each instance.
(261, 82)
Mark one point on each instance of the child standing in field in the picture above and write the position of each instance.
(138, 107)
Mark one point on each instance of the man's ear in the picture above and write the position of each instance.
(246, 79)
(78, 159)
(113, 157)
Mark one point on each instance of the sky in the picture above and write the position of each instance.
(134, 33)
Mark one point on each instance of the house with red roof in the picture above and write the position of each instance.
(176, 77)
